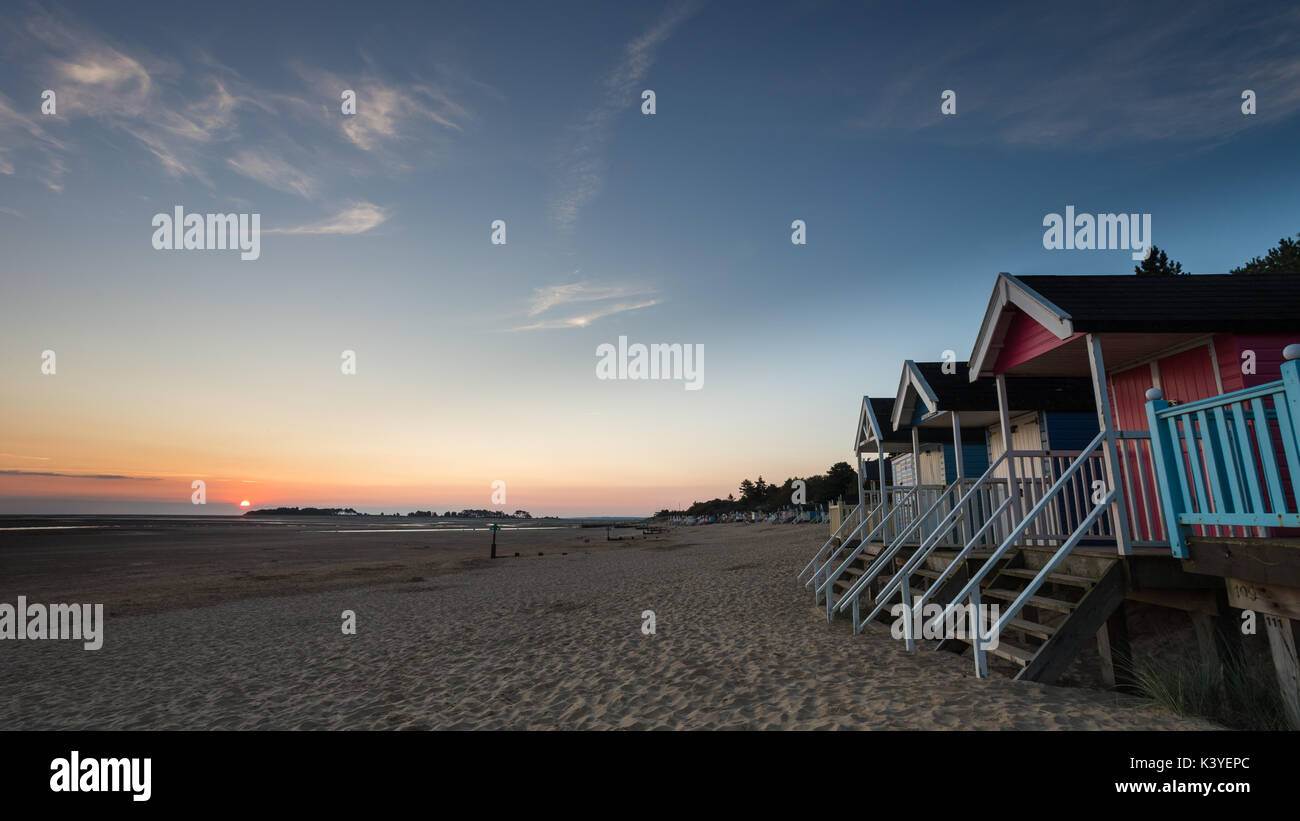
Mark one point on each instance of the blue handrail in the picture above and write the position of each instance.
(1216, 460)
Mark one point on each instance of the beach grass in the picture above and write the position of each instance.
(1241, 692)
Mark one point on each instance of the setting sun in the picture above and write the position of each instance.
(244, 503)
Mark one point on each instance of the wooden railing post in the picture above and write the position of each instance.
(1166, 456)
(1291, 382)
(1119, 513)
(1004, 420)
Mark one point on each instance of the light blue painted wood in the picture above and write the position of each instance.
(1224, 433)
(1272, 478)
(1243, 519)
(1197, 503)
(1231, 464)
(1176, 443)
(1245, 448)
(1210, 444)
(1166, 454)
(1290, 446)
(1291, 382)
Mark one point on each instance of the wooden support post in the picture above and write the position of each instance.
(884, 489)
(1281, 640)
(956, 445)
(1115, 650)
(977, 640)
(1004, 419)
(961, 471)
(916, 470)
(1119, 506)
(1218, 636)
(909, 640)
(862, 490)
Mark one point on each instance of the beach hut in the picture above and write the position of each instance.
(1070, 522)
(882, 512)
(1195, 339)
(948, 485)
(969, 486)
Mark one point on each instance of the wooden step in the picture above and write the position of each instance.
(1011, 652)
(1059, 578)
(1032, 628)
(1034, 601)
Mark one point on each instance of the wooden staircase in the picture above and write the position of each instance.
(1070, 607)
(922, 578)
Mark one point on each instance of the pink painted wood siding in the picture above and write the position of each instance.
(1225, 346)
(1268, 358)
(1188, 376)
(1184, 377)
(1128, 404)
(1024, 340)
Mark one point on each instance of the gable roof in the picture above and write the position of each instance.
(869, 421)
(873, 421)
(1195, 303)
(939, 391)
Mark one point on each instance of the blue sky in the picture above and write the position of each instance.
(476, 361)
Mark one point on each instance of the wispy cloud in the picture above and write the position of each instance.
(22, 135)
(605, 300)
(415, 117)
(552, 295)
(355, 219)
(195, 116)
(9, 472)
(171, 115)
(273, 171)
(1077, 78)
(583, 164)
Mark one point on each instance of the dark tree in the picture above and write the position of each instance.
(1284, 259)
(1158, 264)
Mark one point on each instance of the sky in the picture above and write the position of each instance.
(476, 362)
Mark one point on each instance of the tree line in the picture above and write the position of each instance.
(840, 481)
(1283, 258)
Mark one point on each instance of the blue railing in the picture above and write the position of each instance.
(1231, 460)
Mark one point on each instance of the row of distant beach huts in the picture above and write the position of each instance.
(785, 515)
(1112, 439)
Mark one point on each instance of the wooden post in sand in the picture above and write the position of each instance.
(494, 528)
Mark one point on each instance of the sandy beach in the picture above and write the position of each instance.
(239, 629)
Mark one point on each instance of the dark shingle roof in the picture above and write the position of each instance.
(1227, 303)
(956, 392)
(884, 410)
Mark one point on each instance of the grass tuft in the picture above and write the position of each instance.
(1242, 693)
